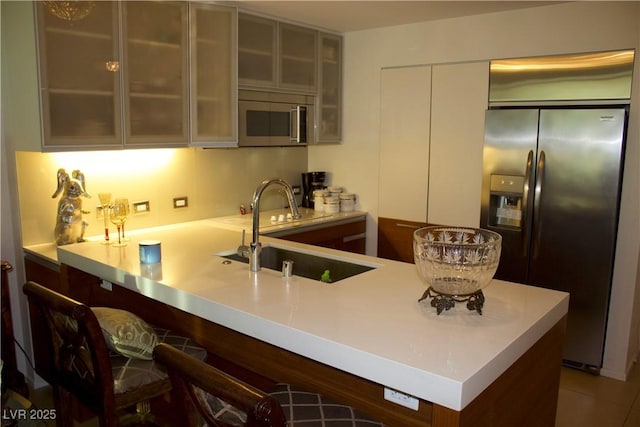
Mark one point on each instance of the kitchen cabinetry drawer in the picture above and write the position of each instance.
(395, 238)
(348, 237)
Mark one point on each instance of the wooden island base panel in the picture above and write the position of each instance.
(524, 395)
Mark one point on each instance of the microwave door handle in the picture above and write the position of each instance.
(295, 124)
(298, 121)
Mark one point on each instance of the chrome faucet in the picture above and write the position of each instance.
(254, 249)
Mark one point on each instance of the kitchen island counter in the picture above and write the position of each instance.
(370, 325)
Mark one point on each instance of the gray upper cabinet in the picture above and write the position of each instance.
(127, 75)
(329, 108)
(156, 78)
(275, 55)
(214, 84)
(257, 50)
(80, 78)
(297, 58)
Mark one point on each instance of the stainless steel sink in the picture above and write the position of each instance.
(311, 266)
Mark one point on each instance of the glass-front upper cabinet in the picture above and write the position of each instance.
(256, 51)
(297, 57)
(156, 79)
(330, 89)
(277, 55)
(104, 84)
(214, 106)
(80, 84)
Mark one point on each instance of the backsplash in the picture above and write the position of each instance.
(216, 182)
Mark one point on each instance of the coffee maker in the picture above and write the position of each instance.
(311, 181)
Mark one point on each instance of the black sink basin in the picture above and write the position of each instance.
(306, 265)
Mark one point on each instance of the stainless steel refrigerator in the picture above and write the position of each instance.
(551, 188)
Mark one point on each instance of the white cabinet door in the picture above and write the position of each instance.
(404, 142)
(459, 100)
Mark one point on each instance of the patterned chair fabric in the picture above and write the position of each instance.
(210, 397)
(130, 373)
(308, 409)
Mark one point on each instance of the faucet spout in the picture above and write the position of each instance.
(255, 249)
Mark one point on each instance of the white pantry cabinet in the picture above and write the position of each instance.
(405, 102)
(459, 99)
(431, 142)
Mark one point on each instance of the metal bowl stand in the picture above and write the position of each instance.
(475, 301)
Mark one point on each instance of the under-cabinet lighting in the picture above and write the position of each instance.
(130, 162)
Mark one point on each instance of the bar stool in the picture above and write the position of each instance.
(203, 394)
(102, 357)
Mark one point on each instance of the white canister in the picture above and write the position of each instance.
(334, 191)
(318, 199)
(331, 204)
(347, 202)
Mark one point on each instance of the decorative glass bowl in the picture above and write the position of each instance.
(456, 263)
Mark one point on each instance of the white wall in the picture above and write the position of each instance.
(556, 29)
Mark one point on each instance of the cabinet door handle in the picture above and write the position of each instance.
(415, 227)
(353, 237)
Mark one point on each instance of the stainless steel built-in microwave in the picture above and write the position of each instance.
(275, 119)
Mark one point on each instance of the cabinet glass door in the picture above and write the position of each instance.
(156, 77)
(80, 71)
(256, 51)
(330, 93)
(213, 76)
(297, 57)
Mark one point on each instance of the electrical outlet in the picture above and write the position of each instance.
(105, 284)
(296, 189)
(180, 202)
(401, 399)
(141, 207)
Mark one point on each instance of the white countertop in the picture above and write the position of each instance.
(370, 325)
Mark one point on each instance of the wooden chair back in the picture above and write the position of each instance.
(196, 383)
(79, 358)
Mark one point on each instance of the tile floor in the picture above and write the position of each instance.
(585, 400)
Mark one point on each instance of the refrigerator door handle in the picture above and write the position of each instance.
(536, 202)
(528, 176)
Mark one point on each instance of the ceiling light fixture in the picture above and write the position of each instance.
(73, 10)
